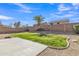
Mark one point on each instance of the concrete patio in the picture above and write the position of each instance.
(20, 47)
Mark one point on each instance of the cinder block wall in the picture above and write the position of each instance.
(62, 27)
(55, 27)
(36, 27)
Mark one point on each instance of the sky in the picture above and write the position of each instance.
(24, 12)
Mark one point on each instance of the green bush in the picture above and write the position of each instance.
(42, 34)
(76, 28)
(40, 29)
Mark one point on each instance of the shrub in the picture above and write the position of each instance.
(76, 28)
(40, 29)
(42, 34)
(27, 30)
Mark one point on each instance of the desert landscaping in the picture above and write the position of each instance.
(52, 31)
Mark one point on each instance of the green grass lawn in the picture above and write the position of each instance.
(50, 40)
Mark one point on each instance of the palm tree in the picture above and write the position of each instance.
(38, 19)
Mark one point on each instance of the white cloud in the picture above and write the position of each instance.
(24, 8)
(51, 3)
(59, 15)
(68, 15)
(63, 8)
(2, 17)
(65, 12)
(75, 5)
(74, 12)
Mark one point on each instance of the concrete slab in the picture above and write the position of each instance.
(20, 47)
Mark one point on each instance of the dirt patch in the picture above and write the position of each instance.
(5, 36)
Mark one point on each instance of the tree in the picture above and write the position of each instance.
(38, 19)
(51, 23)
(10, 25)
(76, 28)
(25, 26)
(17, 24)
(64, 20)
(60, 21)
(0, 23)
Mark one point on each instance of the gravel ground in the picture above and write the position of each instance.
(73, 50)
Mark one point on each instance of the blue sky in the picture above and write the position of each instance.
(12, 12)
